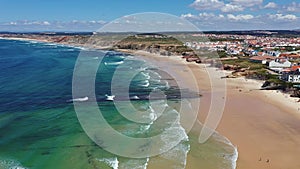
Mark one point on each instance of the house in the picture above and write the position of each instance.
(263, 59)
(290, 56)
(291, 74)
(274, 53)
(278, 64)
(271, 52)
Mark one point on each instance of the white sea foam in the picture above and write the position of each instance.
(135, 97)
(146, 75)
(112, 162)
(114, 63)
(52, 44)
(153, 116)
(144, 128)
(234, 157)
(166, 85)
(11, 164)
(30, 42)
(145, 83)
(120, 56)
(158, 107)
(178, 155)
(110, 98)
(130, 57)
(134, 164)
(231, 157)
(80, 48)
(155, 74)
(142, 69)
(80, 99)
(175, 131)
(70, 50)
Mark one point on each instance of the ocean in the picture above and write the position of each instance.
(40, 129)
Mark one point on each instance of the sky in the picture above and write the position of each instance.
(90, 15)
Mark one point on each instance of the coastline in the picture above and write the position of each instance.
(254, 120)
(263, 124)
(73, 45)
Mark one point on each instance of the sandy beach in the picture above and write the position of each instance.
(264, 125)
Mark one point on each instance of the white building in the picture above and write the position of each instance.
(291, 75)
(278, 64)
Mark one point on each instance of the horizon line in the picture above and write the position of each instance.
(70, 31)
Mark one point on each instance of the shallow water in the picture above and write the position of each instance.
(39, 127)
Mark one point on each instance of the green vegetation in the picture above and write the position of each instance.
(259, 71)
(222, 54)
(275, 81)
(290, 49)
(287, 49)
(154, 43)
(245, 63)
(182, 49)
(152, 39)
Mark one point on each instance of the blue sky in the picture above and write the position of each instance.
(89, 15)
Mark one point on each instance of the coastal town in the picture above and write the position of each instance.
(269, 57)
(280, 55)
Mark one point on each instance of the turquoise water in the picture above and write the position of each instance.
(39, 126)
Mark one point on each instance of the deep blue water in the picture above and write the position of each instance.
(34, 75)
(39, 75)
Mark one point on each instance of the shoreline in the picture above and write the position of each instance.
(265, 131)
(72, 45)
(263, 124)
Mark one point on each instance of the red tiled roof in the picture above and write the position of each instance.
(289, 55)
(261, 58)
(292, 69)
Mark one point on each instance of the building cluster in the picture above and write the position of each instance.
(281, 55)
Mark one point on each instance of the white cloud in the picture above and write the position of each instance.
(231, 8)
(226, 6)
(189, 15)
(288, 17)
(75, 25)
(206, 15)
(101, 22)
(203, 16)
(213, 21)
(247, 3)
(293, 7)
(221, 16)
(12, 23)
(271, 5)
(207, 4)
(46, 23)
(240, 17)
(25, 22)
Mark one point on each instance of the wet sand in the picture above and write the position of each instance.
(264, 125)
